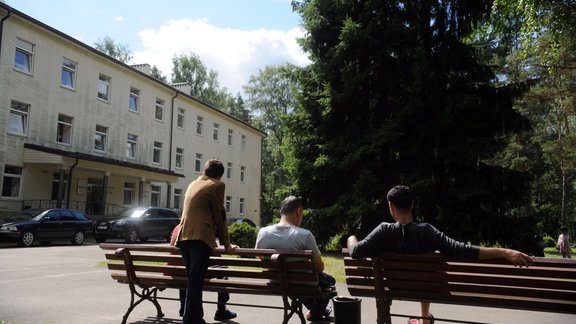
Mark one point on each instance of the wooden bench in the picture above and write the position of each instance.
(548, 285)
(149, 269)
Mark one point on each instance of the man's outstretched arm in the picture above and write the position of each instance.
(517, 258)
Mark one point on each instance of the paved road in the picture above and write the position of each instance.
(64, 284)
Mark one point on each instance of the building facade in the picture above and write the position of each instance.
(80, 129)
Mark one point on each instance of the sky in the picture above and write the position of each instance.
(235, 38)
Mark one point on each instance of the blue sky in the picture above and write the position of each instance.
(236, 38)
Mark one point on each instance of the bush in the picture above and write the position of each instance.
(336, 243)
(550, 242)
(243, 235)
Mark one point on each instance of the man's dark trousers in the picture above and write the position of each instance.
(196, 255)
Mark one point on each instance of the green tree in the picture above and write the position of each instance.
(204, 82)
(156, 73)
(108, 46)
(270, 97)
(544, 49)
(395, 96)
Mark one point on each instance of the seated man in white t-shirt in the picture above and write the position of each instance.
(287, 235)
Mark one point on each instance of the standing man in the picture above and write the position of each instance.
(563, 243)
(408, 237)
(203, 219)
(288, 235)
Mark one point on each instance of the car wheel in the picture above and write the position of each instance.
(78, 238)
(27, 239)
(99, 239)
(45, 243)
(131, 235)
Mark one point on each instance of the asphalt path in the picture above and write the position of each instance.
(65, 284)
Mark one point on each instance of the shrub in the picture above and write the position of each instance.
(550, 242)
(243, 235)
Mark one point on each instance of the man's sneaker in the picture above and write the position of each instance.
(224, 315)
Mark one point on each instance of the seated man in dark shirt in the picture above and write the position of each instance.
(404, 236)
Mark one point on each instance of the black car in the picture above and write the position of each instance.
(239, 220)
(46, 226)
(138, 224)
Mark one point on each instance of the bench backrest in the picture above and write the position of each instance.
(547, 285)
(253, 271)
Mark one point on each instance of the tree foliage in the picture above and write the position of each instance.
(108, 46)
(270, 96)
(395, 96)
(205, 86)
(543, 47)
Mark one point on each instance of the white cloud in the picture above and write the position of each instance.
(235, 54)
(118, 18)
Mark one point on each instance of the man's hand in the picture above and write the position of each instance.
(518, 258)
(231, 248)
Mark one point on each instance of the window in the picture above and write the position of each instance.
(18, 118)
(64, 131)
(216, 131)
(242, 173)
(104, 87)
(177, 199)
(134, 103)
(199, 125)
(155, 196)
(24, 54)
(243, 147)
(228, 204)
(179, 157)
(11, 182)
(56, 185)
(68, 75)
(242, 206)
(229, 171)
(180, 118)
(198, 163)
(157, 153)
(132, 142)
(128, 193)
(230, 137)
(159, 112)
(100, 138)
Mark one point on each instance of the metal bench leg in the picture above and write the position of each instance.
(291, 307)
(383, 310)
(146, 294)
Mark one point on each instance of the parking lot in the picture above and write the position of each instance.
(61, 284)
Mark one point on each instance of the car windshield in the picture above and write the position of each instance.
(133, 212)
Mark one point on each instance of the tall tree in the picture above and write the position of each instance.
(121, 52)
(270, 96)
(545, 49)
(395, 96)
(204, 82)
(156, 73)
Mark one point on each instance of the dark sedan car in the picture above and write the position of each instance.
(138, 224)
(46, 226)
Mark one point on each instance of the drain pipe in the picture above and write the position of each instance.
(9, 12)
(69, 184)
(169, 186)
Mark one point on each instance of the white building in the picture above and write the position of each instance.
(82, 130)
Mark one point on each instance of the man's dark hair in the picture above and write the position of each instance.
(401, 197)
(290, 204)
(213, 169)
